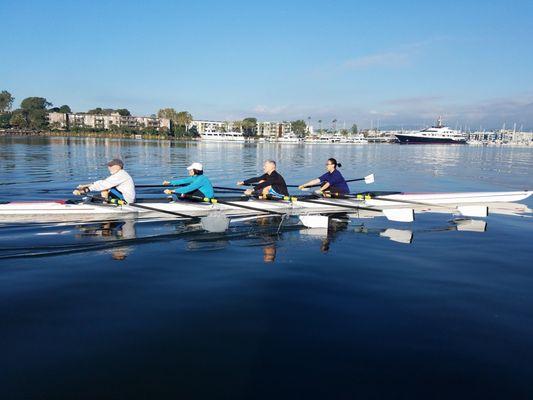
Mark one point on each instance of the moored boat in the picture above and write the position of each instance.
(437, 134)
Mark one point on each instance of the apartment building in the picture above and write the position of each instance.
(66, 121)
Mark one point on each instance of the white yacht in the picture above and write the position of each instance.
(436, 134)
(223, 136)
(289, 138)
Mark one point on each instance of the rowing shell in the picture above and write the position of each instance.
(397, 207)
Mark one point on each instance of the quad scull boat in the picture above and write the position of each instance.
(395, 206)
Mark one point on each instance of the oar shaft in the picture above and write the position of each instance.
(320, 184)
(177, 214)
(230, 203)
(327, 203)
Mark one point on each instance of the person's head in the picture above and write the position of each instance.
(115, 165)
(269, 166)
(332, 164)
(195, 168)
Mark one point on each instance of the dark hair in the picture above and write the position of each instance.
(334, 162)
(115, 161)
(198, 172)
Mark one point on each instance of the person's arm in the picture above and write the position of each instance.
(255, 179)
(268, 180)
(310, 183)
(182, 181)
(195, 184)
(108, 183)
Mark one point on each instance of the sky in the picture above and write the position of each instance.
(392, 63)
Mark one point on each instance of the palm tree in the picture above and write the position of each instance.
(320, 125)
(308, 124)
(334, 125)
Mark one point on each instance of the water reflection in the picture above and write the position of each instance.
(116, 230)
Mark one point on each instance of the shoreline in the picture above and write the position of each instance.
(107, 135)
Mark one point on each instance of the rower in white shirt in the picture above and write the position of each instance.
(119, 185)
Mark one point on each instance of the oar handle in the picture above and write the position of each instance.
(320, 184)
(156, 186)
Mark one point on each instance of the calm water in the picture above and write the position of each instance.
(152, 309)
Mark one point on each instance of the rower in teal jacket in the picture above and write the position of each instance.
(198, 184)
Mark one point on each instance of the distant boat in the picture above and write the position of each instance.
(436, 134)
(289, 138)
(222, 137)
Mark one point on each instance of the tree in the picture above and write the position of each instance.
(179, 121)
(354, 129)
(123, 112)
(193, 132)
(18, 120)
(320, 125)
(249, 126)
(96, 111)
(236, 126)
(65, 109)
(4, 120)
(168, 113)
(183, 118)
(6, 101)
(37, 118)
(34, 103)
(299, 127)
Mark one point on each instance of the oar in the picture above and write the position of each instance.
(230, 203)
(368, 179)
(177, 214)
(327, 203)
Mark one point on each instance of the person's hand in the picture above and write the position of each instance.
(240, 183)
(301, 187)
(166, 183)
(319, 192)
(248, 192)
(167, 191)
(80, 191)
(83, 186)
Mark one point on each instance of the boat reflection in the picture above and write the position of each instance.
(111, 230)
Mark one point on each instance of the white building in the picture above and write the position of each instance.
(203, 126)
(273, 129)
(66, 121)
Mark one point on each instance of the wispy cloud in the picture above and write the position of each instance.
(403, 55)
(388, 59)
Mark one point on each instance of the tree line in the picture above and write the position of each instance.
(33, 114)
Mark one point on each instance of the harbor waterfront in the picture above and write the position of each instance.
(372, 308)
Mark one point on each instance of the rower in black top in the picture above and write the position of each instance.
(270, 183)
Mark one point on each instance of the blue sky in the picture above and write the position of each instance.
(396, 62)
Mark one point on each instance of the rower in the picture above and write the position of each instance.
(197, 184)
(117, 187)
(270, 183)
(332, 182)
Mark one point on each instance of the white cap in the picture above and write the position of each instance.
(196, 165)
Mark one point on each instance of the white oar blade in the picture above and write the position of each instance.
(369, 179)
(471, 225)
(473, 211)
(399, 214)
(398, 235)
(215, 223)
(315, 221)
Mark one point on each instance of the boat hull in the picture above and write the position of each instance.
(376, 204)
(413, 139)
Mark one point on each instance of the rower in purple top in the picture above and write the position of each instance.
(332, 182)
